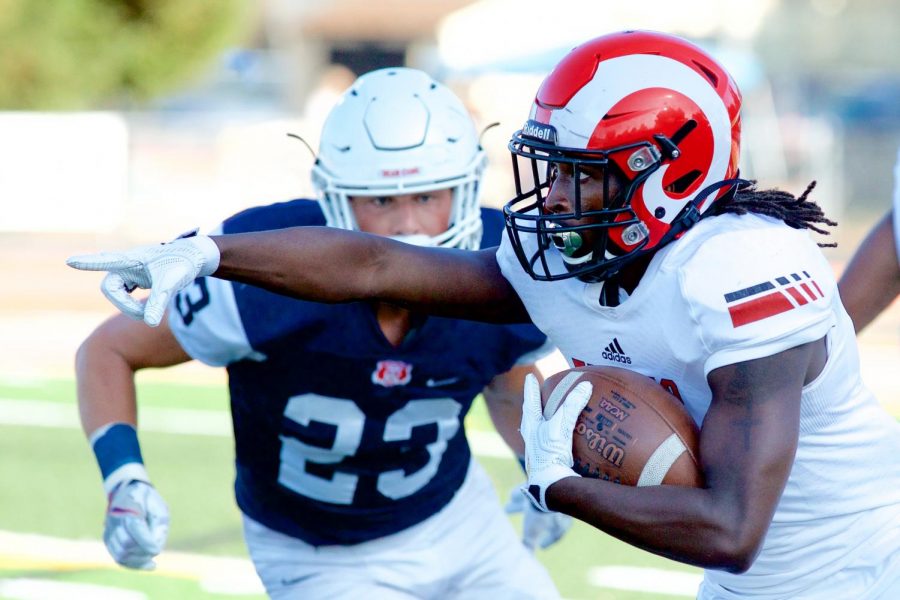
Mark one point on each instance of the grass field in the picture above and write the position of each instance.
(51, 507)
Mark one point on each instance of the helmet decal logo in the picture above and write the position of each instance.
(540, 131)
(404, 172)
(618, 78)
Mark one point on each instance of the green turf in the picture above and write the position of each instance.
(154, 586)
(58, 493)
(50, 389)
(155, 394)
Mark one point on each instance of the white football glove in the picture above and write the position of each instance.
(539, 529)
(164, 269)
(137, 524)
(548, 442)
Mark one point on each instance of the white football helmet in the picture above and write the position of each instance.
(397, 131)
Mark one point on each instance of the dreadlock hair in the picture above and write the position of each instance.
(797, 212)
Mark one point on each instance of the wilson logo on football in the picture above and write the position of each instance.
(771, 298)
(608, 451)
(389, 373)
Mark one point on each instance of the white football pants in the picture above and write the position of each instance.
(469, 550)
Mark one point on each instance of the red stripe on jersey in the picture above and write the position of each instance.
(578, 363)
(800, 298)
(759, 309)
(808, 291)
(818, 289)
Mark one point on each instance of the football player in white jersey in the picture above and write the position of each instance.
(631, 228)
(871, 280)
(354, 476)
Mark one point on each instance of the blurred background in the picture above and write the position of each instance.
(129, 121)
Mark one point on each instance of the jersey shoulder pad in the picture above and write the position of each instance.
(493, 226)
(754, 287)
(207, 324)
(293, 213)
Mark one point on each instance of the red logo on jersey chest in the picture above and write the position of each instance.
(389, 373)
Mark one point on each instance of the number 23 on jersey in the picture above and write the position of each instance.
(348, 420)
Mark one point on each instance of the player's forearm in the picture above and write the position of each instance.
(866, 293)
(105, 386)
(330, 265)
(747, 445)
(872, 279)
(680, 523)
(107, 361)
(311, 263)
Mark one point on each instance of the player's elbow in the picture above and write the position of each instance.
(738, 562)
(90, 348)
(95, 350)
(736, 550)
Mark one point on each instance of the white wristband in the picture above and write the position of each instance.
(210, 252)
(127, 472)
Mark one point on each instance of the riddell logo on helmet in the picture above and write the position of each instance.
(539, 131)
(399, 172)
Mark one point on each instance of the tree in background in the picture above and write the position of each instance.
(81, 54)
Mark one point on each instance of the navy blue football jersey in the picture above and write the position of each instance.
(342, 437)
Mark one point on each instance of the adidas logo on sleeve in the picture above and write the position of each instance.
(615, 353)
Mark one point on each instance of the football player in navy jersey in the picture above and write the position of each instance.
(354, 475)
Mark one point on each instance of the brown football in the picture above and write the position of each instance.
(632, 431)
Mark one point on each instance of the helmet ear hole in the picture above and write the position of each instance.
(685, 129)
(683, 183)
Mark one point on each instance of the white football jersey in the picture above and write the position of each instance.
(737, 288)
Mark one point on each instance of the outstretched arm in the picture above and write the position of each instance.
(332, 265)
(313, 263)
(871, 280)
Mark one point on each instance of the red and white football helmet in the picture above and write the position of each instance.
(654, 110)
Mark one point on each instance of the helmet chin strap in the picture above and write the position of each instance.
(690, 215)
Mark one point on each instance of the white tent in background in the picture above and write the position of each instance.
(496, 32)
